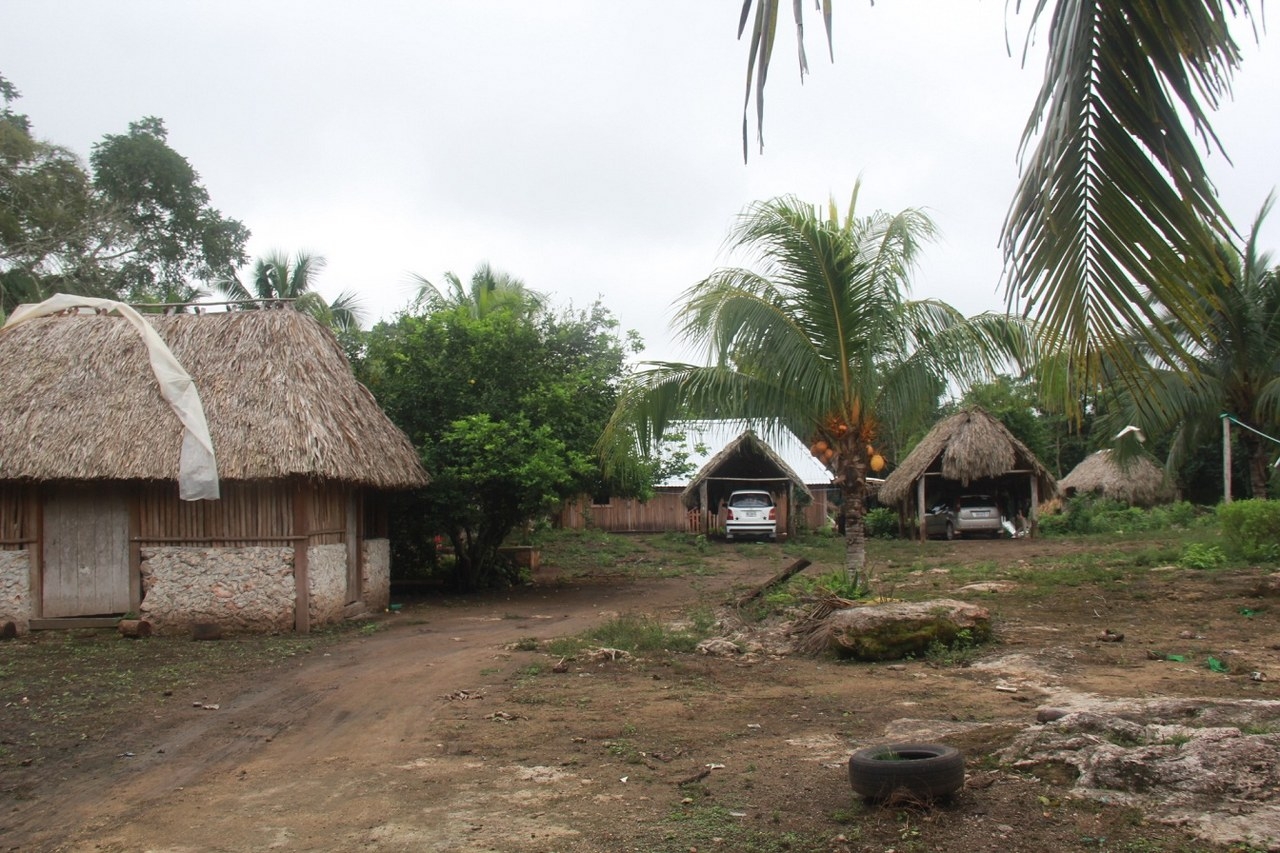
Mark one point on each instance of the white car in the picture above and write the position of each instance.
(751, 512)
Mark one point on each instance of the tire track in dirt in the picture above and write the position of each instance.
(299, 756)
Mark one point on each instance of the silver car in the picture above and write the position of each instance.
(751, 512)
(970, 514)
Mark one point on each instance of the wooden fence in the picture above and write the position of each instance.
(667, 513)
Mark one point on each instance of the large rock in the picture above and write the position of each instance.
(897, 630)
(1189, 763)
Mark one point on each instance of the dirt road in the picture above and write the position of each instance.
(434, 734)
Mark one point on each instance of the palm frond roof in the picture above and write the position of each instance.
(79, 401)
(1137, 481)
(969, 445)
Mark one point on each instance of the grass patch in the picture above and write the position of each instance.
(641, 633)
(698, 825)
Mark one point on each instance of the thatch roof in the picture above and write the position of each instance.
(1137, 481)
(79, 401)
(744, 458)
(970, 445)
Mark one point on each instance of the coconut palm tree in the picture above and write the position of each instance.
(1234, 369)
(1113, 197)
(279, 276)
(489, 291)
(820, 339)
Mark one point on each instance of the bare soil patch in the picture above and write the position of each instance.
(443, 731)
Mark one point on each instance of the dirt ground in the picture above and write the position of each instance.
(437, 733)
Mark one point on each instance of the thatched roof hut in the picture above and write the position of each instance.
(1137, 481)
(78, 401)
(970, 451)
(91, 524)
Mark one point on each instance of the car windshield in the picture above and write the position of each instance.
(969, 501)
(750, 499)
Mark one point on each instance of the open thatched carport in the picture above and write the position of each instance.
(971, 453)
(745, 463)
(1137, 481)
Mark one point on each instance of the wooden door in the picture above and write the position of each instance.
(86, 552)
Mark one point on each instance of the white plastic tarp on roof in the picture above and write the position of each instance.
(197, 466)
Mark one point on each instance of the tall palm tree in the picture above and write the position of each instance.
(1235, 369)
(1113, 197)
(821, 340)
(279, 276)
(489, 291)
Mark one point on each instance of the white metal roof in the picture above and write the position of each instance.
(704, 439)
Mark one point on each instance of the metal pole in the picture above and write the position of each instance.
(1226, 458)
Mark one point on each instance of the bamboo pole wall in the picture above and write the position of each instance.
(247, 514)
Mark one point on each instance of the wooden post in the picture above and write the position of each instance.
(706, 510)
(35, 553)
(1226, 458)
(1034, 521)
(301, 541)
(135, 550)
(924, 529)
(351, 536)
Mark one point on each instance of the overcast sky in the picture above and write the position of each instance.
(592, 149)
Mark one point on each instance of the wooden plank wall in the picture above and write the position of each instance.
(665, 512)
(17, 527)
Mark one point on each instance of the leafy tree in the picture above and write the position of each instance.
(821, 340)
(1234, 369)
(278, 276)
(477, 394)
(168, 233)
(48, 214)
(1113, 197)
(489, 477)
(139, 226)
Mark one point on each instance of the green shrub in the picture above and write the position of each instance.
(1090, 514)
(1180, 514)
(1198, 555)
(1053, 525)
(881, 523)
(1251, 529)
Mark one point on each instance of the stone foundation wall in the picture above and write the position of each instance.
(376, 580)
(327, 577)
(248, 589)
(15, 589)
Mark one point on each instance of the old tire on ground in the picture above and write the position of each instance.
(916, 771)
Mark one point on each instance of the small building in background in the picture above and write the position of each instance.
(1137, 481)
(725, 458)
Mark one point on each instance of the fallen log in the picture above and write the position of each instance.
(135, 629)
(781, 577)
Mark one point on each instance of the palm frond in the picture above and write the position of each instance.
(1114, 203)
